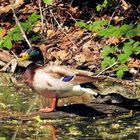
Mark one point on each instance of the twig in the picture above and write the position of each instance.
(71, 16)
(13, 63)
(71, 2)
(17, 22)
(61, 29)
(106, 69)
(15, 55)
(41, 14)
(6, 66)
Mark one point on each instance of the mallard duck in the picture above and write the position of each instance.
(54, 81)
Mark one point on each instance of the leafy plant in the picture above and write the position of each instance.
(103, 28)
(105, 4)
(94, 26)
(47, 1)
(111, 53)
(15, 35)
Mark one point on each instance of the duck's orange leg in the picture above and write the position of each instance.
(53, 106)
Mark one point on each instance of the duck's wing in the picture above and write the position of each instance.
(66, 74)
(65, 70)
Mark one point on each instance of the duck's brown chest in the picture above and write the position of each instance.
(29, 73)
(28, 77)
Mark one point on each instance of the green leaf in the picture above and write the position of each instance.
(100, 22)
(125, 68)
(33, 18)
(125, 28)
(15, 30)
(113, 60)
(122, 58)
(122, 67)
(26, 26)
(97, 25)
(7, 42)
(104, 64)
(96, 28)
(127, 49)
(108, 32)
(104, 33)
(137, 49)
(1, 30)
(105, 3)
(120, 73)
(136, 44)
(107, 50)
(98, 7)
(49, 2)
(81, 24)
(17, 37)
(132, 32)
(138, 26)
(1, 43)
(3, 138)
(131, 41)
(113, 31)
(107, 62)
(35, 38)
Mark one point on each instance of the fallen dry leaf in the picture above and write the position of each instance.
(80, 58)
(118, 19)
(3, 32)
(124, 5)
(62, 54)
(112, 40)
(18, 2)
(50, 33)
(134, 63)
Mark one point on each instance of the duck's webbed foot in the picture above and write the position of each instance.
(47, 109)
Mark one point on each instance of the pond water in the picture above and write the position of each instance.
(18, 100)
(115, 127)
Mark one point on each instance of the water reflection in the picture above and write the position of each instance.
(113, 127)
(51, 129)
(16, 101)
(13, 132)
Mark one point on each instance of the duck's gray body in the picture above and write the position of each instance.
(58, 81)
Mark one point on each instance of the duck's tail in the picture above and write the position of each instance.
(90, 89)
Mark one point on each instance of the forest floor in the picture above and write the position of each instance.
(64, 43)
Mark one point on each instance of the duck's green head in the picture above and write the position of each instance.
(33, 54)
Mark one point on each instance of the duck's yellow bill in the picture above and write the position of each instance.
(24, 56)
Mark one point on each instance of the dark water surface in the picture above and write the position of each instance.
(123, 127)
(15, 101)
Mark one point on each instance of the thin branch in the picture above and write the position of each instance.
(106, 69)
(6, 66)
(15, 55)
(61, 29)
(17, 22)
(71, 16)
(41, 14)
